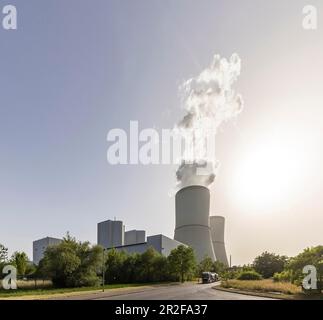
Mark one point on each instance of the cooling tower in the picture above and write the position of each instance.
(217, 233)
(192, 220)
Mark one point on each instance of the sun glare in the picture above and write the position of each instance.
(270, 172)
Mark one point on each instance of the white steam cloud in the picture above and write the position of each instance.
(209, 100)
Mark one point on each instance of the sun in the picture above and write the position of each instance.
(269, 172)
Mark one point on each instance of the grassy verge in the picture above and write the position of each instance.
(268, 288)
(52, 291)
(262, 286)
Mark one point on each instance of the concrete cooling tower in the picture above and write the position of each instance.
(192, 220)
(217, 233)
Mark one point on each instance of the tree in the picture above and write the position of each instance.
(3, 254)
(310, 256)
(3, 258)
(20, 261)
(130, 268)
(71, 263)
(206, 265)
(267, 264)
(219, 267)
(182, 262)
(114, 265)
(149, 266)
(147, 263)
(161, 269)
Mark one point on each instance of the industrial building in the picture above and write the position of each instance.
(195, 228)
(39, 247)
(111, 233)
(193, 221)
(159, 242)
(134, 236)
(217, 233)
(133, 241)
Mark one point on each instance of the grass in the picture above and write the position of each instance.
(262, 286)
(20, 292)
(32, 284)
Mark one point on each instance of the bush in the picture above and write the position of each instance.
(71, 263)
(267, 264)
(249, 275)
(149, 266)
(284, 276)
(310, 256)
(206, 265)
(182, 263)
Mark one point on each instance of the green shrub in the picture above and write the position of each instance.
(267, 264)
(249, 275)
(71, 263)
(284, 276)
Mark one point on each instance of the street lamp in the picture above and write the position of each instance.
(103, 269)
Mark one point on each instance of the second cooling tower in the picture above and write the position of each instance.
(192, 220)
(217, 233)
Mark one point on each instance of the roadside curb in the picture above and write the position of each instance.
(255, 294)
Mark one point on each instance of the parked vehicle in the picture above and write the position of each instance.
(208, 277)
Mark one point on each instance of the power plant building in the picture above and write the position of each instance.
(134, 236)
(193, 227)
(111, 234)
(159, 242)
(40, 246)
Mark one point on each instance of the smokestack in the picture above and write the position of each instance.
(217, 232)
(192, 220)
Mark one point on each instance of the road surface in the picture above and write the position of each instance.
(188, 291)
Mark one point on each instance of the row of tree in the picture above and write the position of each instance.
(18, 259)
(149, 266)
(72, 263)
(281, 268)
(75, 264)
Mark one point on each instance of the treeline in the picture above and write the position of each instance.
(76, 264)
(18, 259)
(281, 268)
(72, 263)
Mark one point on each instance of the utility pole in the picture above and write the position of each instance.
(230, 262)
(103, 269)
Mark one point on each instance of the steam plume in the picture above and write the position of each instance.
(209, 100)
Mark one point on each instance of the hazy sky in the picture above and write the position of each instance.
(76, 69)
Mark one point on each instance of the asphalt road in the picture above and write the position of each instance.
(188, 291)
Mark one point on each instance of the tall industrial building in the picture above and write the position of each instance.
(39, 247)
(193, 221)
(217, 224)
(111, 233)
(134, 236)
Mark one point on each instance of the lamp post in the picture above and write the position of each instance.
(103, 269)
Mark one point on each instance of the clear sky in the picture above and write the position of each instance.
(76, 69)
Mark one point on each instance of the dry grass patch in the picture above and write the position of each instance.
(32, 284)
(268, 286)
